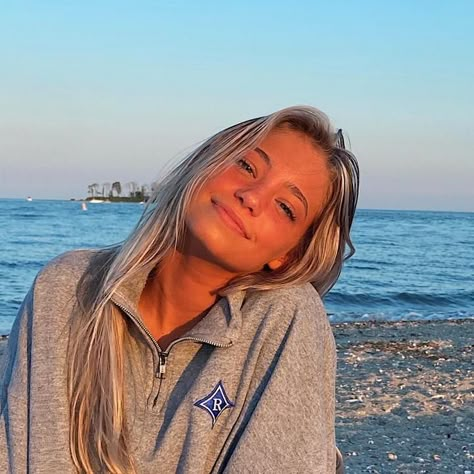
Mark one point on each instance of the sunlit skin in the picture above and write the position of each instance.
(242, 219)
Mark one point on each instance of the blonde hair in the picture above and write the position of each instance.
(99, 334)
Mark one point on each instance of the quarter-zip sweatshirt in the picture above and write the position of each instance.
(250, 388)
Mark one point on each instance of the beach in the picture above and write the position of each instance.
(404, 396)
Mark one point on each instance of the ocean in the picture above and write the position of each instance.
(409, 265)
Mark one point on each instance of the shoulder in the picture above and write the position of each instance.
(68, 267)
(298, 308)
(54, 293)
(46, 309)
(59, 279)
(71, 260)
(293, 330)
(298, 299)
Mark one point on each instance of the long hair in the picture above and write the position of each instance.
(99, 334)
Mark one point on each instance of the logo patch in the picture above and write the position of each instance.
(215, 403)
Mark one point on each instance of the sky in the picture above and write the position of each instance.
(118, 91)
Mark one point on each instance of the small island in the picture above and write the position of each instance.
(115, 192)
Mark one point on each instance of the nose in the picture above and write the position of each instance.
(250, 198)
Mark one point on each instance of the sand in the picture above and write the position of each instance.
(404, 396)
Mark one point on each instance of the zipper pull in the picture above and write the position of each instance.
(162, 366)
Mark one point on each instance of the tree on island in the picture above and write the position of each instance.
(93, 189)
(132, 187)
(117, 187)
(106, 187)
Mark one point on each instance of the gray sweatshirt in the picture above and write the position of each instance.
(250, 388)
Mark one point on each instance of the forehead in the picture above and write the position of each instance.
(294, 158)
(295, 150)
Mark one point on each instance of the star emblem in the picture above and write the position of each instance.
(215, 403)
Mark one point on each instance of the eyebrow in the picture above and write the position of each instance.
(292, 187)
(296, 191)
(264, 156)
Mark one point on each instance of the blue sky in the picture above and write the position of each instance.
(106, 91)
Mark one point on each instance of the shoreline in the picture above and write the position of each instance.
(404, 396)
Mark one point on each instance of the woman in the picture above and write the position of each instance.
(200, 344)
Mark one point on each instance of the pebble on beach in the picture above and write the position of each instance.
(405, 396)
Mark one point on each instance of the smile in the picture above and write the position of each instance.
(230, 219)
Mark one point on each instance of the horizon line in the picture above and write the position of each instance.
(358, 209)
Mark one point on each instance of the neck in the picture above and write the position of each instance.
(179, 293)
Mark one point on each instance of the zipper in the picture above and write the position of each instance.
(162, 365)
(163, 355)
(196, 339)
(141, 325)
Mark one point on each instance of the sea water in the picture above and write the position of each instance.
(408, 265)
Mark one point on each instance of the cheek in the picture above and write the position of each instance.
(275, 238)
(225, 180)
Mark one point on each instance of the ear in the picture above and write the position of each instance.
(277, 263)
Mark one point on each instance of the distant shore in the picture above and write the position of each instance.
(404, 396)
(112, 199)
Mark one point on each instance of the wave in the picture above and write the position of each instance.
(357, 260)
(346, 317)
(364, 267)
(35, 264)
(30, 217)
(461, 298)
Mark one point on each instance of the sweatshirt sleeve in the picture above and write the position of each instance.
(14, 377)
(34, 423)
(291, 426)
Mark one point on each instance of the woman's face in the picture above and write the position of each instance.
(255, 212)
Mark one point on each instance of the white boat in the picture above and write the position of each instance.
(96, 201)
(29, 198)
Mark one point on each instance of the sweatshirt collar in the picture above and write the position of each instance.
(221, 326)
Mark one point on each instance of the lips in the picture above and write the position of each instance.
(231, 218)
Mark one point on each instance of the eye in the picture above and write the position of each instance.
(246, 166)
(287, 210)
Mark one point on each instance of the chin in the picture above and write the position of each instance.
(225, 251)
